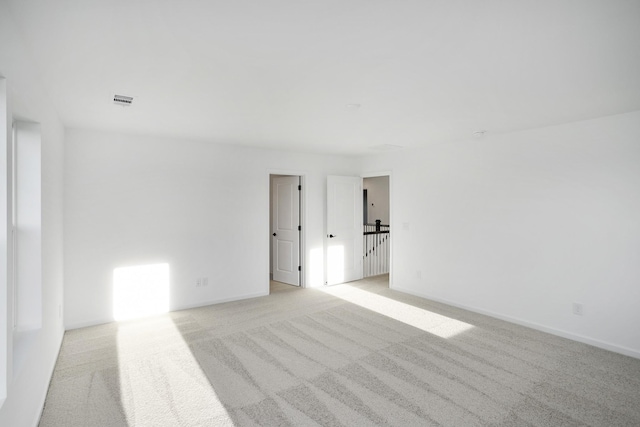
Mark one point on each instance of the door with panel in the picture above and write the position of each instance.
(344, 229)
(285, 239)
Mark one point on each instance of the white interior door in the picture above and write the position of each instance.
(285, 228)
(344, 229)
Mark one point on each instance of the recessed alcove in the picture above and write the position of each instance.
(25, 240)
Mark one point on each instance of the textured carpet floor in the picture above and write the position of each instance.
(357, 355)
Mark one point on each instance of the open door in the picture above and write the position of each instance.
(285, 218)
(344, 229)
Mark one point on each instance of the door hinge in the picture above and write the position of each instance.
(299, 268)
(299, 187)
(299, 228)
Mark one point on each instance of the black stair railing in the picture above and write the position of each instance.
(376, 245)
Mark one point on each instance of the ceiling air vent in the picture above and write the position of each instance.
(122, 100)
(387, 147)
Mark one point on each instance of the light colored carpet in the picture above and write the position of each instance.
(359, 355)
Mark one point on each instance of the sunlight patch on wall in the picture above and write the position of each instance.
(428, 321)
(335, 264)
(191, 398)
(316, 268)
(140, 291)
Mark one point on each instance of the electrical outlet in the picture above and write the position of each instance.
(205, 281)
(578, 309)
(198, 282)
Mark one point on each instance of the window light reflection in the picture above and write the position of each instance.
(335, 266)
(420, 318)
(140, 291)
(192, 399)
(316, 268)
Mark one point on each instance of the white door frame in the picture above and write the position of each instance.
(303, 222)
(391, 223)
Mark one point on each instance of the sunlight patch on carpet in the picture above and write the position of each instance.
(428, 321)
(168, 387)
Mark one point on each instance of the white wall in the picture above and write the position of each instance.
(201, 207)
(28, 101)
(522, 225)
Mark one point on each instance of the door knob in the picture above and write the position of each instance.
(274, 234)
(331, 236)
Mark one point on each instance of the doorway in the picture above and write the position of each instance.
(377, 231)
(285, 229)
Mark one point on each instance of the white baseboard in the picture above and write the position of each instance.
(220, 301)
(558, 332)
(96, 322)
(86, 324)
(46, 389)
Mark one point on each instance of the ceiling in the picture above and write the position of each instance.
(285, 74)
